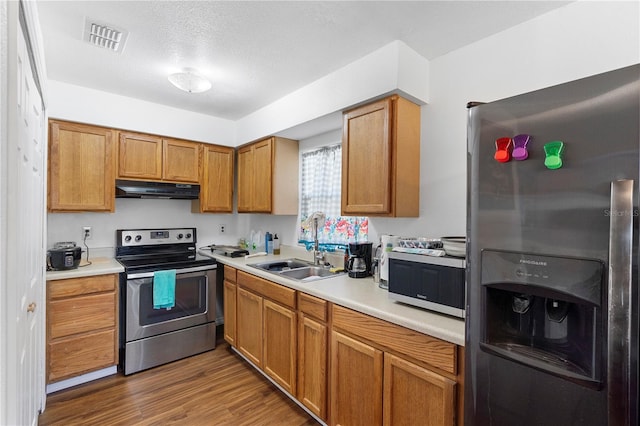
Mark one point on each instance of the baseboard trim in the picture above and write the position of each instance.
(74, 381)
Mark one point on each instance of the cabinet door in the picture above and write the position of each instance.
(279, 350)
(80, 354)
(229, 301)
(81, 167)
(140, 156)
(180, 160)
(245, 179)
(356, 382)
(366, 159)
(249, 326)
(263, 175)
(216, 186)
(81, 314)
(414, 395)
(312, 365)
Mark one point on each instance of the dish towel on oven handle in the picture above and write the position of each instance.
(164, 289)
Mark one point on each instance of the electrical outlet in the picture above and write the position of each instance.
(222, 228)
(86, 232)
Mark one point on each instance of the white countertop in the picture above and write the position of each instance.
(359, 294)
(98, 266)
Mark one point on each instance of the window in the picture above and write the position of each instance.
(320, 187)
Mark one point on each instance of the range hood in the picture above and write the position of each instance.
(143, 189)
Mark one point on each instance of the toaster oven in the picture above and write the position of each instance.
(429, 282)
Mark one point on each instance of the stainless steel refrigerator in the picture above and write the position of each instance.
(552, 276)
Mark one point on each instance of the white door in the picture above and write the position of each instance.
(23, 240)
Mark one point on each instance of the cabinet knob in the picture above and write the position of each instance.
(31, 307)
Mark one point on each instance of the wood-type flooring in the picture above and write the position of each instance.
(213, 388)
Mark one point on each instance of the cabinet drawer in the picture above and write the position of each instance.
(230, 273)
(80, 286)
(435, 352)
(273, 291)
(312, 306)
(78, 355)
(81, 314)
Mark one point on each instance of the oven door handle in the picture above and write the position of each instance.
(178, 271)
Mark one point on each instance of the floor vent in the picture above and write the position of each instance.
(104, 35)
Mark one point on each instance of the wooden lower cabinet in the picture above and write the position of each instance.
(266, 328)
(312, 354)
(414, 395)
(279, 333)
(249, 326)
(82, 325)
(356, 382)
(345, 367)
(385, 374)
(229, 305)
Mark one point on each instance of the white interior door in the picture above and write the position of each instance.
(23, 166)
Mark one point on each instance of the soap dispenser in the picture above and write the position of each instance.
(276, 245)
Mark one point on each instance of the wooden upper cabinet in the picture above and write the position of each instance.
(180, 160)
(381, 159)
(245, 178)
(150, 157)
(263, 159)
(81, 167)
(140, 156)
(216, 183)
(268, 177)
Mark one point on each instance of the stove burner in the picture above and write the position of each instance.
(144, 250)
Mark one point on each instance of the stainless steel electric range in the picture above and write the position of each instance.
(151, 336)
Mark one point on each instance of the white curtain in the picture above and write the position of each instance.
(321, 184)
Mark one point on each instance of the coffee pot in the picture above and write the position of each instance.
(359, 261)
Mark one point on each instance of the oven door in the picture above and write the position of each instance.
(194, 303)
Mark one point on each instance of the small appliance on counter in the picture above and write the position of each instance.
(359, 261)
(429, 282)
(229, 251)
(63, 256)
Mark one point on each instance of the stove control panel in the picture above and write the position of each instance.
(144, 237)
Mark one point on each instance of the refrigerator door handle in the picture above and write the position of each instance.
(619, 315)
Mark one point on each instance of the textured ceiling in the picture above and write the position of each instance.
(254, 52)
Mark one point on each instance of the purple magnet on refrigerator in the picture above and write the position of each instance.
(502, 154)
(520, 143)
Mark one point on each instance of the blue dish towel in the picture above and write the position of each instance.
(164, 289)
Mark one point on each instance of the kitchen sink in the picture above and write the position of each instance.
(296, 269)
(308, 273)
(281, 265)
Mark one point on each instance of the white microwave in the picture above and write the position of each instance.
(434, 283)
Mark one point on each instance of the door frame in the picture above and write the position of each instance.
(10, 25)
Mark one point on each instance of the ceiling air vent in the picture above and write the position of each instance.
(104, 35)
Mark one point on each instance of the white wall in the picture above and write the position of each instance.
(76, 103)
(578, 40)
(581, 39)
(392, 68)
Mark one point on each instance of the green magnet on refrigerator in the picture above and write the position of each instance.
(553, 154)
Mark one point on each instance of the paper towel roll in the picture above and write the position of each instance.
(388, 242)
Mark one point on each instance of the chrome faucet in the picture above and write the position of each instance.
(317, 254)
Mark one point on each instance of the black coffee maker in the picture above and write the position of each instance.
(359, 261)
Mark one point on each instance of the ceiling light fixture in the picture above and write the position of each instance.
(190, 81)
